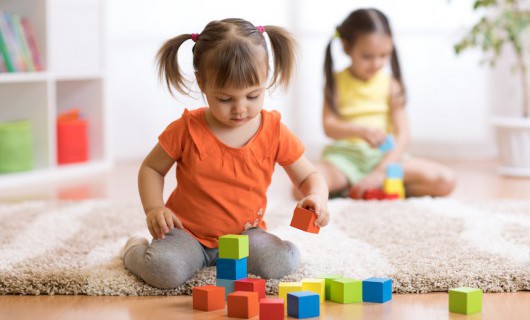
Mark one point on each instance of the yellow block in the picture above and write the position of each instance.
(395, 186)
(316, 286)
(285, 287)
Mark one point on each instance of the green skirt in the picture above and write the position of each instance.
(354, 159)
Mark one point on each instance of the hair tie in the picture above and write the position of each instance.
(337, 34)
(194, 37)
(261, 29)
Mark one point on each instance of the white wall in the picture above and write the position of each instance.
(448, 96)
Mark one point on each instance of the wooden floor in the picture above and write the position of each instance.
(477, 180)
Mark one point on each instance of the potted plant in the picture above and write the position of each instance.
(505, 24)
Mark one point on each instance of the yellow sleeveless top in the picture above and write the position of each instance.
(364, 103)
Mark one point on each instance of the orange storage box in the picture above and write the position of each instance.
(72, 138)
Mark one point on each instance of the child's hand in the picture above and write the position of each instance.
(374, 180)
(373, 136)
(318, 205)
(160, 220)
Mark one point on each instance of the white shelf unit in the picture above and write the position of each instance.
(69, 35)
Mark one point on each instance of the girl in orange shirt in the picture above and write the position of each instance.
(225, 155)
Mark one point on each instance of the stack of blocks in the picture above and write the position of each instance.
(232, 261)
(393, 185)
(465, 300)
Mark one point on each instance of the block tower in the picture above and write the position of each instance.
(393, 185)
(232, 261)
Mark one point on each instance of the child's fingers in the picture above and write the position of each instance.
(162, 224)
(325, 220)
(177, 222)
(152, 231)
(169, 219)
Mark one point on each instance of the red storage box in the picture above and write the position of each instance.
(72, 139)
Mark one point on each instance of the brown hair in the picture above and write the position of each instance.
(358, 23)
(225, 54)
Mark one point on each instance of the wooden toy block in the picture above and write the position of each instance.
(394, 186)
(328, 278)
(374, 194)
(346, 290)
(231, 269)
(227, 284)
(317, 286)
(391, 196)
(250, 284)
(285, 287)
(272, 309)
(208, 298)
(465, 300)
(243, 304)
(304, 220)
(233, 246)
(303, 304)
(388, 144)
(377, 290)
(394, 171)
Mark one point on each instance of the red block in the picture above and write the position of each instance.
(304, 219)
(374, 194)
(391, 196)
(271, 309)
(208, 298)
(243, 304)
(72, 141)
(249, 284)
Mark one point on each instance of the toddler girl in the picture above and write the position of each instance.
(363, 104)
(225, 155)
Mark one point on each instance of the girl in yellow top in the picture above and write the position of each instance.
(362, 104)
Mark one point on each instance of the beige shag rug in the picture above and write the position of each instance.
(423, 244)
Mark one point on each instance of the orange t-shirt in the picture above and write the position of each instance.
(222, 190)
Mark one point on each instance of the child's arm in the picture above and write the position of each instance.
(313, 187)
(336, 128)
(151, 187)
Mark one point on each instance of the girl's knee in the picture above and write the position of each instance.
(443, 182)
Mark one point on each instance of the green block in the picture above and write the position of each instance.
(233, 246)
(465, 300)
(16, 146)
(346, 290)
(329, 278)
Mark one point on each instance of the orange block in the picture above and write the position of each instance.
(250, 284)
(391, 196)
(304, 219)
(208, 298)
(243, 304)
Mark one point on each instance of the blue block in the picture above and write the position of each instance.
(394, 171)
(377, 290)
(303, 304)
(231, 269)
(388, 144)
(227, 284)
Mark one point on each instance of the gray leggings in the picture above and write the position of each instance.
(170, 262)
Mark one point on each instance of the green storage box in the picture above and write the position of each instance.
(16, 146)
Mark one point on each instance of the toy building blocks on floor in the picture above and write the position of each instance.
(228, 284)
(243, 304)
(250, 284)
(286, 287)
(303, 304)
(233, 246)
(465, 300)
(208, 298)
(232, 269)
(393, 184)
(394, 171)
(346, 290)
(374, 194)
(317, 286)
(328, 279)
(377, 290)
(304, 220)
(272, 309)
